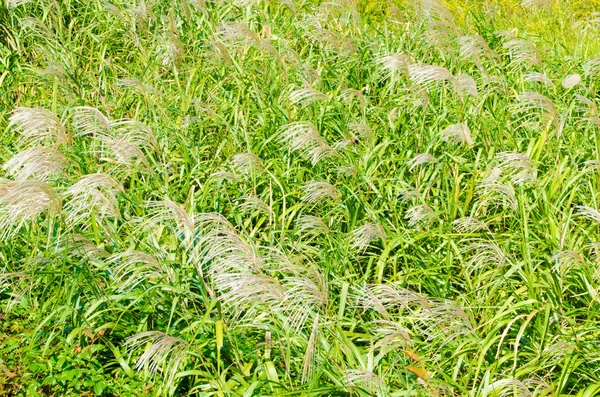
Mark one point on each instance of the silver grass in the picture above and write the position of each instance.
(131, 268)
(121, 141)
(114, 10)
(247, 164)
(519, 167)
(135, 132)
(242, 293)
(492, 191)
(507, 34)
(483, 254)
(19, 284)
(309, 355)
(536, 77)
(54, 69)
(507, 387)
(121, 151)
(343, 144)
(533, 4)
(317, 191)
(367, 381)
(311, 224)
(467, 85)
(360, 131)
(534, 103)
(137, 85)
(93, 193)
(564, 261)
(386, 297)
(591, 68)
(492, 176)
(246, 3)
(236, 34)
(39, 163)
(361, 237)
(594, 253)
(310, 75)
(306, 96)
(429, 75)
(303, 297)
(90, 121)
(419, 214)
(523, 54)
(16, 3)
(390, 336)
(417, 99)
(162, 353)
(474, 48)
(497, 193)
(37, 126)
(570, 81)
(438, 15)
(458, 133)
(469, 224)
(448, 318)
(304, 138)
(170, 49)
(22, 202)
(252, 204)
(349, 170)
(408, 194)
(589, 109)
(222, 176)
(394, 66)
(590, 166)
(168, 212)
(348, 94)
(220, 247)
(421, 159)
(77, 245)
(589, 213)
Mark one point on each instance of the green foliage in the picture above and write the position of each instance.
(214, 198)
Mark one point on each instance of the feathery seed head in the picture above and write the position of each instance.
(467, 85)
(37, 126)
(253, 204)
(132, 268)
(304, 138)
(571, 81)
(247, 164)
(306, 96)
(523, 54)
(363, 235)
(419, 214)
(316, 191)
(591, 68)
(519, 166)
(428, 75)
(22, 202)
(534, 103)
(38, 162)
(459, 132)
(421, 159)
(311, 224)
(469, 224)
(536, 77)
(95, 193)
(162, 353)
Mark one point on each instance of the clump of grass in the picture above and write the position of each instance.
(303, 198)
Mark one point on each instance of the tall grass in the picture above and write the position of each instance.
(254, 197)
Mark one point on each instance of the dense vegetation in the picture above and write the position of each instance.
(261, 197)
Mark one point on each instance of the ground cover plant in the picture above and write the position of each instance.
(299, 198)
